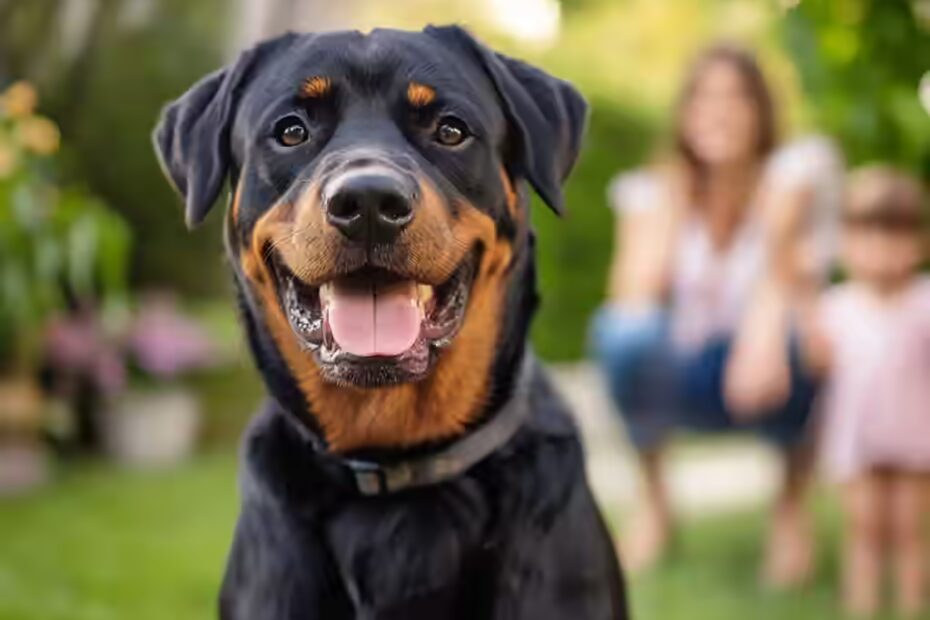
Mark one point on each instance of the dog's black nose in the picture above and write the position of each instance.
(370, 207)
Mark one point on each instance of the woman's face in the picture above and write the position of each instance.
(721, 123)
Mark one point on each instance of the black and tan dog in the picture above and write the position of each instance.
(412, 460)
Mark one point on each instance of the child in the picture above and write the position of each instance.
(873, 337)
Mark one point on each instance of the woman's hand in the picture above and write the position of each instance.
(758, 375)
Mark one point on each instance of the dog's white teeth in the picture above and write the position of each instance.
(425, 293)
(326, 294)
(328, 341)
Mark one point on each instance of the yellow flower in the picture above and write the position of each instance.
(7, 160)
(20, 99)
(39, 135)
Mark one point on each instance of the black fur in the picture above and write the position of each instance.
(518, 536)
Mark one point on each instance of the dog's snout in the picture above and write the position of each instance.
(371, 207)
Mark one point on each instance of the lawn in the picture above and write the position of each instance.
(108, 545)
(103, 544)
(713, 575)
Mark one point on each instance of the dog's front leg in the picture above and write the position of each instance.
(278, 569)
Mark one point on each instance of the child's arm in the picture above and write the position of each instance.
(816, 346)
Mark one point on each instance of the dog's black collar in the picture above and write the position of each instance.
(373, 478)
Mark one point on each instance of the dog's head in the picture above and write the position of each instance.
(378, 213)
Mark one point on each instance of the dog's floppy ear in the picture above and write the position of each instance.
(548, 115)
(192, 137)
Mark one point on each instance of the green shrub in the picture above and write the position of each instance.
(861, 63)
(573, 253)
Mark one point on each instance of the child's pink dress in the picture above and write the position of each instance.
(877, 401)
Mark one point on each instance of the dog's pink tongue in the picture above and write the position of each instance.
(379, 320)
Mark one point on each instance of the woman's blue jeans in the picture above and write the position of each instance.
(659, 389)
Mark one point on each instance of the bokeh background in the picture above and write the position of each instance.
(109, 307)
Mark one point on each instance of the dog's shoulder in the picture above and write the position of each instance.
(279, 567)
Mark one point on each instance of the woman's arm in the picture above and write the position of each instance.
(758, 377)
(800, 205)
(645, 231)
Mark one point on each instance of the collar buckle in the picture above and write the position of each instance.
(369, 477)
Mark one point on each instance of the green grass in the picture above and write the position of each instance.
(713, 574)
(102, 544)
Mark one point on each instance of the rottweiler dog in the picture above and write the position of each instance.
(412, 460)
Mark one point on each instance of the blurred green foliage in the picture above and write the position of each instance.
(57, 244)
(573, 252)
(106, 91)
(141, 70)
(861, 62)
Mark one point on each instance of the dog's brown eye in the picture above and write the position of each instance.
(290, 131)
(451, 131)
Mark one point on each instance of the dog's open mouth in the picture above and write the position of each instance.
(375, 327)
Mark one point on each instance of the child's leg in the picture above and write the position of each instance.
(908, 508)
(863, 499)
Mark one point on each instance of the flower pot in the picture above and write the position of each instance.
(151, 427)
(20, 406)
(24, 462)
(24, 465)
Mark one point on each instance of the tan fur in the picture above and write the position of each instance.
(442, 405)
(316, 87)
(234, 210)
(420, 95)
(513, 199)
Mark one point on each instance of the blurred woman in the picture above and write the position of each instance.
(709, 241)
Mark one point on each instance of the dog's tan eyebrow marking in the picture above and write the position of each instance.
(420, 95)
(316, 87)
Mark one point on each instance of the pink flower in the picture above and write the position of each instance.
(165, 344)
(76, 345)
